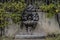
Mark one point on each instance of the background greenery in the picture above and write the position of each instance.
(50, 9)
(11, 10)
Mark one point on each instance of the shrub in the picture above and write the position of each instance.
(11, 10)
(50, 10)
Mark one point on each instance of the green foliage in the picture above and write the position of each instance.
(3, 18)
(50, 9)
(15, 9)
(11, 10)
